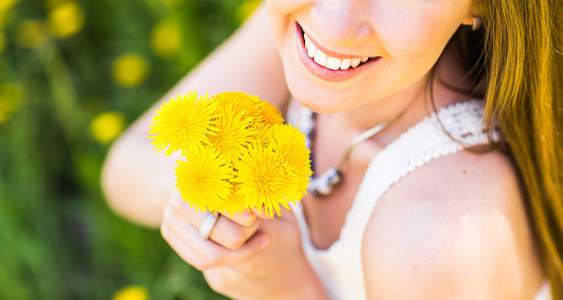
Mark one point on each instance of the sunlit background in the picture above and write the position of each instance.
(73, 75)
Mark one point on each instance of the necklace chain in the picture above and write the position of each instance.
(324, 184)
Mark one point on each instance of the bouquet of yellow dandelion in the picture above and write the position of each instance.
(237, 153)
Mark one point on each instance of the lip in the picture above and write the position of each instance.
(325, 73)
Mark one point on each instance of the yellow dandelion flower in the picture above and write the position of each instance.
(262, 181)
(107, 126)
(263, 135)
(289, 142)
(234, 204)
(233, 133)
(166, 38)
(65, 20)
(271, 114)
(132, 293)
(184, 123)
(203, 179)
(129, 70)
(30, 34)
(250, 106)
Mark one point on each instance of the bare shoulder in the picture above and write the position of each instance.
(455, 228)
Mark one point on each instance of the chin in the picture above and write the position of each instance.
(318, 99)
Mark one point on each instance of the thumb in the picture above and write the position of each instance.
(256, 243)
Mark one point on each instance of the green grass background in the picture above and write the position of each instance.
(58, 238)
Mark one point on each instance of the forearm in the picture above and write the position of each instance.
(138, 181)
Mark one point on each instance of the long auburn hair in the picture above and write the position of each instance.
(515, 64)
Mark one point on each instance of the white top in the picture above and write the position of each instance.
(340, 266)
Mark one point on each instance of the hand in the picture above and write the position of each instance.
(245, 257)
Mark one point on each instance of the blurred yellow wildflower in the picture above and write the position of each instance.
(30, 34)
(131, 293)
(129, 70)
(6, 5)
(51, 4)
(5, 8)
(166, 38)
(246, 8)
(11, 96)
(65, 20)
(203, 179)
(107, 126)
(184, 123)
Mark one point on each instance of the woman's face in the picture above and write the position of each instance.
(402, 40)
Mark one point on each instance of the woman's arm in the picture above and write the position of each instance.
(138, 181)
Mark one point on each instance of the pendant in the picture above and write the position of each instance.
(324, 185)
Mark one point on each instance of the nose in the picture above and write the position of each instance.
(342, 21)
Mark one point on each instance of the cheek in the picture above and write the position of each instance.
(414, 39)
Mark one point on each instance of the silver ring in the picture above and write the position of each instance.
(207, 225)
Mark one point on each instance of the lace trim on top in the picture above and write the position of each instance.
(414, 148)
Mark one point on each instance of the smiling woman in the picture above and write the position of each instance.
(453, 199)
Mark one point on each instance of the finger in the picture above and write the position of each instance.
(256, 243)
(246, 219)
(184, 239)
(225, 232)
(261, 213)
(178, 245)
(192, 214)
(284, 214)
(206, 254)
(287, 214)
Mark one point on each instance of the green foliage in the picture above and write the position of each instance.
(58, 238)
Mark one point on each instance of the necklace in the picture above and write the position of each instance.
(324, 184)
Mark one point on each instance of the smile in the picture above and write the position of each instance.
(330, 62)
(329, 65)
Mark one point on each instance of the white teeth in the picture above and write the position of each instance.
(333, 63)
(312, 51)
(355, 62)
(345, 64)
(307, 41)
(320, 58)
(330, 62)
